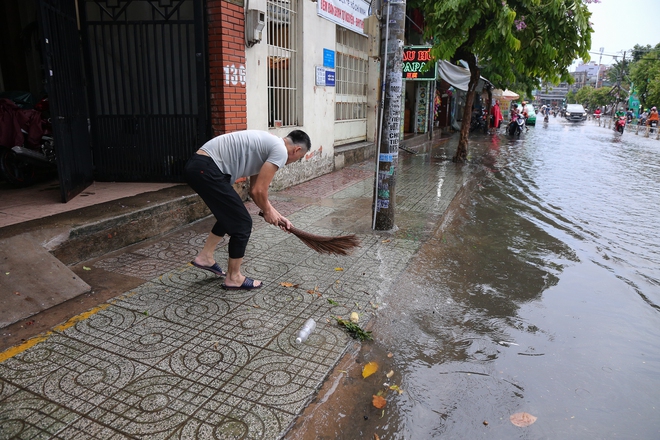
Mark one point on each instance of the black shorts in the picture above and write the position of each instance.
(232, 217)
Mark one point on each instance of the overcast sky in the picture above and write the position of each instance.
(619, 25)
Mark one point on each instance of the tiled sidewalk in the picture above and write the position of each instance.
(178, 357)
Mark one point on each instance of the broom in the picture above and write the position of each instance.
(341, 245)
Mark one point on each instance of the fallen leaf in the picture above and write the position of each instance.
(396, 388)
(17, 293)
(390, 374)
(369, 369)
(376, 437)
(339, 269)
(287, 284)
(355, 317)
(386, 241)
(6, 273)
(389, 355)
(522, 419)
(87, 268)
(485, 423)
(379, 402)
(333, 302)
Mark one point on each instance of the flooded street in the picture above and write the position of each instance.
(538, 293)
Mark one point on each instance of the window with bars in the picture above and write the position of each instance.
(351, 66)
(283, 69)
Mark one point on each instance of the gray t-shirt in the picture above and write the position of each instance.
(243, 153)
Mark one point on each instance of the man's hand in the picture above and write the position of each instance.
(275, 218)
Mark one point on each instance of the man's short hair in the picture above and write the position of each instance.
(299, 137)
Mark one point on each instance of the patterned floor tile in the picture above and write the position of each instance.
(208, 359)
(148, 341)
(278, 381)
(229, 417)
(324, 346)
(75, 375)
(156, 405)
(26, 416)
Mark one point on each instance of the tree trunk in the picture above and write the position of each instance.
(461, 150)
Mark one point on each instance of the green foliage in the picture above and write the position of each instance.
(555, 33)
(354, 330)
(571, 97)
(591, 97)
(645, 75)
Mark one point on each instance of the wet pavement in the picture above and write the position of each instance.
(175, 356)
(537, 293)
(524, 282)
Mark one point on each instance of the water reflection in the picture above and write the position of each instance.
(522, 300)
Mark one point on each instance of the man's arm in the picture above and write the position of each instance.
(259, 192)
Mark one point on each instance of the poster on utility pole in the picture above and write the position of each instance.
(346, 13)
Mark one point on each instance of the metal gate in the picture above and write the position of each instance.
(66, 93)
(148, 107)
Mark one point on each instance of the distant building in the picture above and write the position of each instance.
(593, 74)
(553, 95)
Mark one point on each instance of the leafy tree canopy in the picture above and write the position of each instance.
(645, 75)
(514, 41)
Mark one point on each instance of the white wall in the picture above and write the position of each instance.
(318, 112)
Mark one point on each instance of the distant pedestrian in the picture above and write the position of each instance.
(496, 115)
(212, 171)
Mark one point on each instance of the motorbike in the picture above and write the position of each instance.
(620, 124)
(27, 143)
(516, 126)
(478, 122)
(597, 116)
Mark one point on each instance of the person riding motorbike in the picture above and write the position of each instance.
(653, 119)
(597, 113)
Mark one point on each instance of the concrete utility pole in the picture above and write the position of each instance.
(394, 21)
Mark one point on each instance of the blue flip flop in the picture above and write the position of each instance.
(248, 284)
(215, 268)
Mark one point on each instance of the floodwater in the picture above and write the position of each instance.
(539, 293)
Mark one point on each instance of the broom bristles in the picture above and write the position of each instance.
(341, 245)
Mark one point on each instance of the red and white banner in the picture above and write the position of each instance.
(346, 13)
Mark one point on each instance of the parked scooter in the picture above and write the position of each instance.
(478, 122)
(27, 144)
(620, 124)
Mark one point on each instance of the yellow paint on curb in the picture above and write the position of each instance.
(18, 349)
(13, 351)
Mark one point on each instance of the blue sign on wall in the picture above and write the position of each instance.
(329, 58)
(330, 78)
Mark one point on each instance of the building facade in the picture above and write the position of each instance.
(136, 86)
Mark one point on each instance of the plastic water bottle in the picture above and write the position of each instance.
(305, 331)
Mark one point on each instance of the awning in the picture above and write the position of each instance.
(457, 76)
(506, 95)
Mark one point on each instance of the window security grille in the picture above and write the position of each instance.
(283, 69)
(351, 75)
